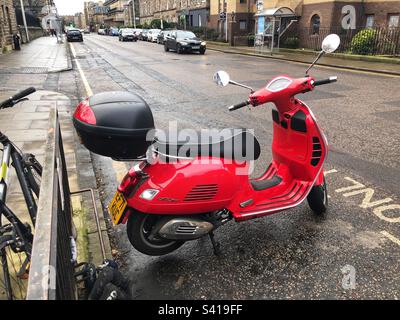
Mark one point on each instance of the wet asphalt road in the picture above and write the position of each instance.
(292, 254)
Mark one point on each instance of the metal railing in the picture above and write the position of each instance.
(51, 274)
(361, 40)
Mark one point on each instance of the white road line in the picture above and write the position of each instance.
(390, 237)
(89, 91)
(119, 167)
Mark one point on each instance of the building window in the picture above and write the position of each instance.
(393, 20)
(315, 24)
(9, 20)
(370, 21)
(242, 24)
(199, 17)
(243, 1)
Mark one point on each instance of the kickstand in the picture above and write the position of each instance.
(215, 244)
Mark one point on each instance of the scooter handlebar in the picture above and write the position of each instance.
(239, 105)
(324, 81)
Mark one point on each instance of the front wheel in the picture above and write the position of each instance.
(318, 198)
(166, 49)
(202, 51)
(139, 229)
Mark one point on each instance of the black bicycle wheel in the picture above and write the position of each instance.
(13, 272)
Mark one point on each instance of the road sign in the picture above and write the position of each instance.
(222, 15)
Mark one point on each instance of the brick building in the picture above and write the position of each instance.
(239, 16)
(8, 25)
(314, 14)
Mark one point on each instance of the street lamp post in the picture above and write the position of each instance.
(134, 13)
(24, 19)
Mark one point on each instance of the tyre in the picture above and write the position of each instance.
(178, 49)
(202, 51)
(318, 198)
(139, 228)
(13, 282)
(166, 48)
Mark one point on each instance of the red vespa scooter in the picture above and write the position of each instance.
(170, 198)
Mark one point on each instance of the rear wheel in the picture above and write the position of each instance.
(13, 271)
(318, 198)
(140, 234)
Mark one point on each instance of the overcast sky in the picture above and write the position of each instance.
(68, 7)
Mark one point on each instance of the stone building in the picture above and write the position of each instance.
(35, 10)
(95, 13)
(79, 20)
(132, 13)
(8, 25)
(115, 13)
(191, 13)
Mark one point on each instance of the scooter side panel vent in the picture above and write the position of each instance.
(202, 192)
(317, 151)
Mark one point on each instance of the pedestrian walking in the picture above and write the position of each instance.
(17, 42)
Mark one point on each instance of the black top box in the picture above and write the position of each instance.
(115, 124)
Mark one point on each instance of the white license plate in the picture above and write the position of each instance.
(196, 47)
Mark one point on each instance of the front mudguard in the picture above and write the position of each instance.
(184, 188)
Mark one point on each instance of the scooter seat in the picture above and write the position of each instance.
(235, 144)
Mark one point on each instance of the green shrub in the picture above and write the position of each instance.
(291, 42)
(367, 41)
(363, 41)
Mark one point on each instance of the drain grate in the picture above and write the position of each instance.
(26, 70)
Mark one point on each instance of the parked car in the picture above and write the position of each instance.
(153, 34)
(162, 36)
(113, 32)
(143, 34)
(184, 41)
(101, 31)
(137, 32)
(127, 35)
(74, 35)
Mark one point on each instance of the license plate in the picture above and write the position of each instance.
(196, 47)
(117, 207)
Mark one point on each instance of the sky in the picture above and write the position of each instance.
(69, 7)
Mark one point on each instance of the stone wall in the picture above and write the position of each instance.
(8, 25)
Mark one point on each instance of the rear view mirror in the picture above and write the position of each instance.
(221, 78)
(330, 43)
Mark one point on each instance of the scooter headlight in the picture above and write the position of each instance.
(149, 194)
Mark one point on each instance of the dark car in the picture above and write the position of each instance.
(143, 34)
(74, 35)
(113, 32)
(127, 34)
(184, 41)
(162, 36)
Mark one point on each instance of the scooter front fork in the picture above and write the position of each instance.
(320, 179)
